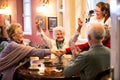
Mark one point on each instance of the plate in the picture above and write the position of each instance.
(33, 68)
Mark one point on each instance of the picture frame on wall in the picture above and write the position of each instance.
(7, 20)
(52, 22)
(41, 19)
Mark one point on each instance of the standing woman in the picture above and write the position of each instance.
(102, 16)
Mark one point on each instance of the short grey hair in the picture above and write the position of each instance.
(58, 28)
(97, 31)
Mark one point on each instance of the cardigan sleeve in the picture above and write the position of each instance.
(46, 39)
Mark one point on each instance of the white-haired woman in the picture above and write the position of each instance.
(58, 43)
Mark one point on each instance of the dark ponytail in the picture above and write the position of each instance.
(107, 12)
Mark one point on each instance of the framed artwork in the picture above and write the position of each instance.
(52, 22)
(41, 19)
(7, 20)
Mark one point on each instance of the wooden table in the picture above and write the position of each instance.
(24, 73)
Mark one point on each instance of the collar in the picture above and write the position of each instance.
(96, 45)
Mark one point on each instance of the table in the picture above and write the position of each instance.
(24, 73)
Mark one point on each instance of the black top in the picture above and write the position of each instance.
(3, 39)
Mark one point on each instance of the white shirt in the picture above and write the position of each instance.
(94, 20)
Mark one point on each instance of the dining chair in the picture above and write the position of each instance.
(1, 76)
(107, 74)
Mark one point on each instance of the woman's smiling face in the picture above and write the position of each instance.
(59, 35)
(98, 12)
(18, 36)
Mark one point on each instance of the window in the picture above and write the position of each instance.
(27, 17)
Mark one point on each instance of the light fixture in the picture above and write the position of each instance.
(43, 4)
(4, 7)
(5, 11)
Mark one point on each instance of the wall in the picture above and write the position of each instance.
(50, 12)
(1, 20)
(13, 12)
(69, 16)
(81, 13)
(16, 7)
(12, 4)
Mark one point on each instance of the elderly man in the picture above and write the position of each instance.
(97, 58)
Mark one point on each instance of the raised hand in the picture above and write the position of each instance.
(38, 25)
(80, 23)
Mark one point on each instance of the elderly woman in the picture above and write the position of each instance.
(102, 12)
(59, 43)
(15, 33)
(16, 54)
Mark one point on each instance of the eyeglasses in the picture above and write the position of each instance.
(97, 10)
(18, 33)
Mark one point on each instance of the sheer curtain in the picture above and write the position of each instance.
(27, 17)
